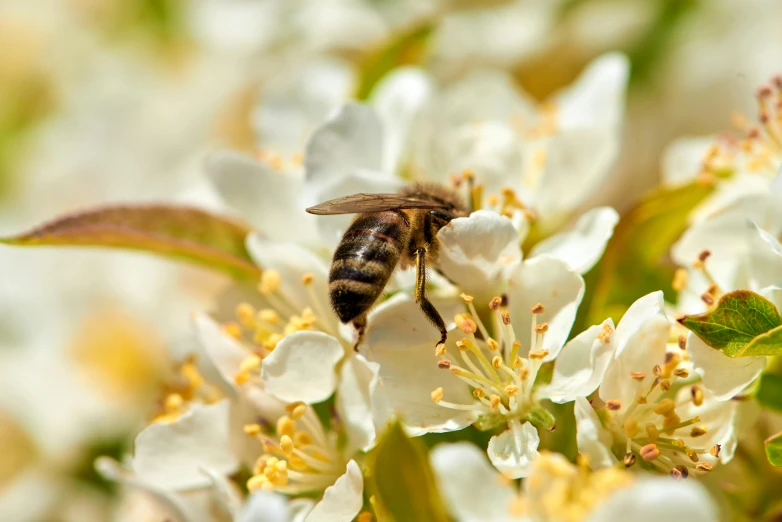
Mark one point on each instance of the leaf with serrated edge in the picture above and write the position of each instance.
(178, 232)
(739, 318)
(404, 481)
(774, 449)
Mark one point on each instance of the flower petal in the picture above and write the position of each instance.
(267, 506)
(477, 252)
(765, 258)
(583, 245)
(513, 450)
(351, 140)
(683, 160)
(401, 340)
(342, 501)
(724, 376)
(302, 367)
(580, 366)
(719, 418)
(593, 440)
(269, 200)
(550, 282)
(597, 97)
(655, 499)
(357, 382)
(469, 484)
(223, 351)
(172, 455)
(641, 311)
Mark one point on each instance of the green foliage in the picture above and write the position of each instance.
(404, 482)
(405, 48)
(182, 233)
(768, 391)
(743, 324)
(636, 259)
(774, 449)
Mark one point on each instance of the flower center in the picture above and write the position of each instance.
(299, 455)
(188, 387)
(500, 379)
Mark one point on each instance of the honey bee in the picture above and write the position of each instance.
(391, 230)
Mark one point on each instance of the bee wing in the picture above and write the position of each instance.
(361, 203)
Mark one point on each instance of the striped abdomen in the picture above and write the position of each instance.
(364, 261)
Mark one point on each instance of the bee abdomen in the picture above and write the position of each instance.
(364, 261)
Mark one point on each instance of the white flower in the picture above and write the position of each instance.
(558, 491)
(486, 373)
(648, 409)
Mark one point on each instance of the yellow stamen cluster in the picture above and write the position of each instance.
(187, 387)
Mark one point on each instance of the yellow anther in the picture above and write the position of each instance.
(241, 378)
(465, 323)
(523, 373)
(245, 313)
(649, 452)
(697, 431)
(537, 309)
(189, 371)
(365, 516)
(478, 393)
(439, 350)
(714, 451)
(286, 426)
(518, 362)
(703, 466)
(638, 376)
(493, 345)
(679, 472)
(271, 343)
(670, 421)
(233, 330)
(270, 282)
(492, 200)
(252, 429)
(652, 432)
(259, 482)
(173, 402)
(657, 370)
(664, 407)
(613, 405)
(605, 334)
(496, 362)
(631, 428)
(511, 390)
(250, 363)
(307, 279)
(444, 364)
(692, 454)
(538, 354)
(302, 438)
(494, 402)
(495, 303)
(681, 372)
(466, 298)
(270, 316)
(629, 459)
(462, 345)
(437, 395)
(679, 279)
(541, 328)
(697, 395)
(296, 410)
(286, 444)
(665, 384)
(505, 318)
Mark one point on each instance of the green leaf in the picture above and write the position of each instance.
(636, 261)
(733, 326)
(769, 343)
(404, 48)
(768, 391)
(404, 482)
(182, 233)
(774, 449)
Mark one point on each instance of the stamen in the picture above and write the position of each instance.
(495, 402)
(286, 444)
(270, 282)
(650, 452)
(652, 432)
(296, 410)
(537, 309)
(638, 376)
(286, 426)
(252, 429)
(246, 315)
(682, 342)
(714, 451)
(495, 303)
(440, 350)
(232, 330)
(703, 466)
(605, 334)
(698, 431)
(444, 364)
(679, 279)
(697, 395)
(680, 472)
(512, 390)
(629, 459)
(437, 395)
(613, 405)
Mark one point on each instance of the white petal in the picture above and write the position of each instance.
(302, 367)
(477, 252)
(724, 376)
(342, 501)
(593, 440)
(265, 506)
(357, 382)
(577, 162)
(351, 140)
(269, 200)
(597, 97)
(398, 99)
(643, 350)
(765, 258)
(223, 351)
(550, 282)
(471, 487)
(580, 366)
(583, 245)
(401, 340)
(718, 416)
(641, 311)
(683, 160)
(655, 499)
(293, 262)
(513, 451)
(172, 455)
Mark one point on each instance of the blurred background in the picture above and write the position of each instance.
(120, 100)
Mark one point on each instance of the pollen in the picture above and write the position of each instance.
(440, 350)
(286, 444)
(496, 362)
(495, 401)
(252, 429)
(466, 324)
(537, 309)
(638, 376)
(512, 390)
(682, 342)
(679, 279)
(541, 328)
(269, 316)
(479, 393)
(493, 345)
(466, 298)
(286, 426)
(307, 279)
(444, 364)
(437, 395)
(605, 334)
(296, 410)
(538, 354)
(505, 318)
(698, 431)
(697, 395)
(613, 405)
(270, 282)
(649, 452)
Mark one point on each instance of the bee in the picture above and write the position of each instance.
(390, 231)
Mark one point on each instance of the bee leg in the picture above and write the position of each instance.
(360, 324)
(420, 295)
